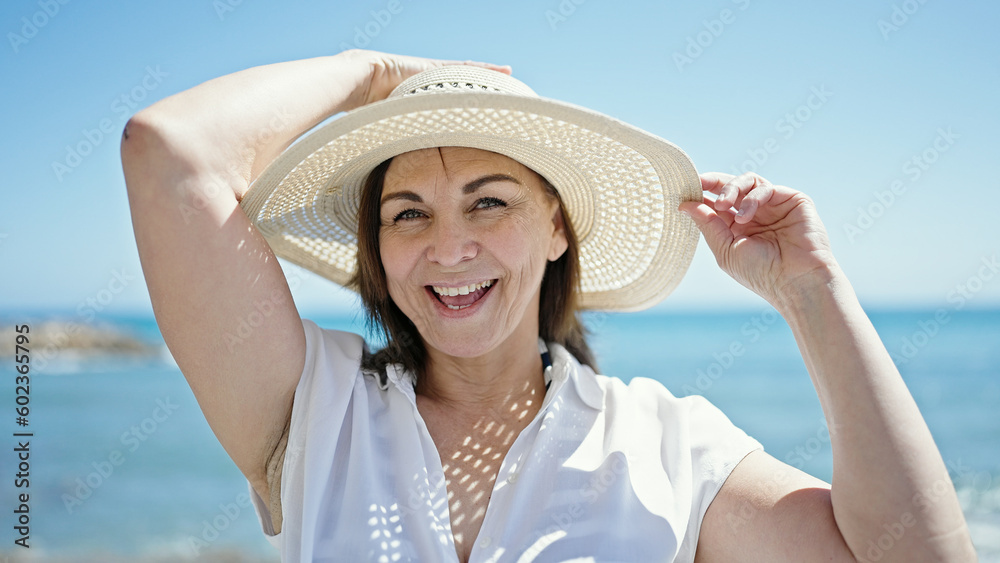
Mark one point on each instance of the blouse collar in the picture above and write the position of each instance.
(559, 363)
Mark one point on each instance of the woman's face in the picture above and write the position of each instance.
(465, 237)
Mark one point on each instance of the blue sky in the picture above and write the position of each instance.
(888, 126)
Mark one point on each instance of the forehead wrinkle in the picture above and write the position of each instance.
(439, 178)
(443, 165)
(498, 164)
(409, 170)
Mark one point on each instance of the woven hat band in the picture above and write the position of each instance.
(461, 79)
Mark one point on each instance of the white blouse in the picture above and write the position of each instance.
(604, 472)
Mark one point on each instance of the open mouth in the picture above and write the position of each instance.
(458, 298)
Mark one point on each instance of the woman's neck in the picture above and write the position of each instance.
(509, 375)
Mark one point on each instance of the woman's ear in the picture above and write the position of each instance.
(559, 242)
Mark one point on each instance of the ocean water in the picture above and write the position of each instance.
(125, 468)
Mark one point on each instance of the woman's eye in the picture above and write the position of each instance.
(488, 202)
(407, 214)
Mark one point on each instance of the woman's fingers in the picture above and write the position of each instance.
(431, 63)
(713, 181)
(754, 196)
(714, 228)
(746, 193)
(506, 69)
(709, 202)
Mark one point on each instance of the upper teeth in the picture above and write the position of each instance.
(461, 290)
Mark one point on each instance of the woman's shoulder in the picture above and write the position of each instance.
(611, 391)
(645, 394)
(642, 396)
(331, 341)
(334, 350)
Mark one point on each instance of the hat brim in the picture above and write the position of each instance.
(620, 185)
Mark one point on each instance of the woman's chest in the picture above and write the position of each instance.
(471, 457)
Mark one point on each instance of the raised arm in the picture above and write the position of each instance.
(888, 477)
(219, 295)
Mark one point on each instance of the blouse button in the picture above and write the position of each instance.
(512, 478)
(486, 541)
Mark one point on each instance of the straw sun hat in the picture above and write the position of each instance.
(621, 186)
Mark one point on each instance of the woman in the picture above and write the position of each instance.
(469, 436)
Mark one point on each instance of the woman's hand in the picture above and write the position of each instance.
(386, 71)
(769, 238)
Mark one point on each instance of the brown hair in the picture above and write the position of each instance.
(558, 318)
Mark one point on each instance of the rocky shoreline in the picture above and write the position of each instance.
(53, 337)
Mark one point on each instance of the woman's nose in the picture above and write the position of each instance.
(451, 242)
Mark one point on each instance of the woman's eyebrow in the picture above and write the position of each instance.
(479, 182)
(466, 189)
(406, 194)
